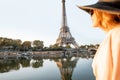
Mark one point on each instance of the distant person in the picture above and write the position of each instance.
(105, 14)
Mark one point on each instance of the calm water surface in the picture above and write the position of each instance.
(74, 68)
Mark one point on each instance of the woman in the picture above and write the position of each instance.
(105, 14)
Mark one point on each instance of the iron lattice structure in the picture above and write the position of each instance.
(65, 37)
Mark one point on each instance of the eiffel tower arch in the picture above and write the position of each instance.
(65, 37)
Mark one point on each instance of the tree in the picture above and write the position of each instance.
(26, 45)
(17, 44)
(37, 44)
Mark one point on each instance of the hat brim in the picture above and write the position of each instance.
(113, 8)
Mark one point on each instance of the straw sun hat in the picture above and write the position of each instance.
(110, 6)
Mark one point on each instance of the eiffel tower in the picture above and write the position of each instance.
(65, 37)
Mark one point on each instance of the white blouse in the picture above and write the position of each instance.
(106, 62)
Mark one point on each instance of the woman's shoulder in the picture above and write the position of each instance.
(115, 31)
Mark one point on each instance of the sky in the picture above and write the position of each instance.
(31, 20)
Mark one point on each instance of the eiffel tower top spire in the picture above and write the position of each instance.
(64, 21)
(64, 18)
(65, 36)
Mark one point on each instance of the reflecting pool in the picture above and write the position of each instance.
(71, 68)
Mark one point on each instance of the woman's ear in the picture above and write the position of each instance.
(117, 18)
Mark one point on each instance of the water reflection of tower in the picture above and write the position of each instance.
(66, 67)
